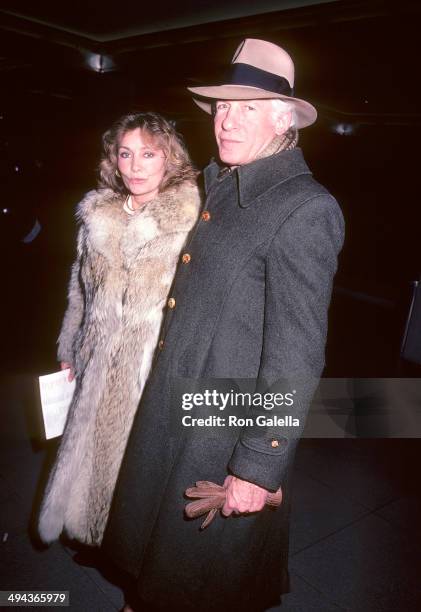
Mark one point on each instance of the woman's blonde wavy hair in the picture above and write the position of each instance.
(162, 136)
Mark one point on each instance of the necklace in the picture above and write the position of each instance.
(128, 206)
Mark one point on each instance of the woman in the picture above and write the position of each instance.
(131, 232)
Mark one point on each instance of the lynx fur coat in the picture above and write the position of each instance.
(117, 296)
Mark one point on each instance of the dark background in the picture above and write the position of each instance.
(66, 74)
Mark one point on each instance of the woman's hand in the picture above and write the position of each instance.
(243, 496)
(64, 366)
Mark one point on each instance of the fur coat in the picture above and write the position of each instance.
(117, 296)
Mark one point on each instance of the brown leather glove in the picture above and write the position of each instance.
(211, 498)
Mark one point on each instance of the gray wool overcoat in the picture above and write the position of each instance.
(250, 301)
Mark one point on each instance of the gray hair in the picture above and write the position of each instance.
(283, 106)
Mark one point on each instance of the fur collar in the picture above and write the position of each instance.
(109, 227)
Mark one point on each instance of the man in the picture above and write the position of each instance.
(250, 301)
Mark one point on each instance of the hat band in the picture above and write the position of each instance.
(245, 74)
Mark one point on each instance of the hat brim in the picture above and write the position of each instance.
(306, 114)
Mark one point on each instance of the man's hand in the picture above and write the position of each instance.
(243, 496)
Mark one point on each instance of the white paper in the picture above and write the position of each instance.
(56, 395)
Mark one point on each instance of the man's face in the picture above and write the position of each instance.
(243, 129)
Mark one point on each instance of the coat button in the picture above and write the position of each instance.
(161, 345)
(171, 303)
(274, 443)
(186, 258)
(206, 215)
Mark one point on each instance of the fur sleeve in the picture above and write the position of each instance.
(74, 312)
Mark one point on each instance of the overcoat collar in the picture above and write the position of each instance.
(254, 179)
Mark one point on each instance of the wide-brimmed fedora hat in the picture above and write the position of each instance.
(258, 70)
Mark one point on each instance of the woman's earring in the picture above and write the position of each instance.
(117, 173)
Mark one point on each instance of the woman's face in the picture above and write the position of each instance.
(141, 165)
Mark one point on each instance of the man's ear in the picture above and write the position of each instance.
(283, 123)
